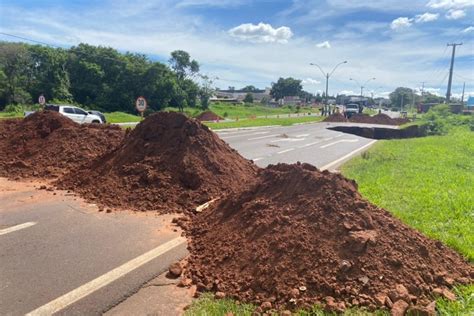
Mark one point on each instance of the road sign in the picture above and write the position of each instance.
(42, 100)
(141, 104)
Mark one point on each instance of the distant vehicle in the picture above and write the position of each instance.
(76, 114)
(351, 109)
(99, 114)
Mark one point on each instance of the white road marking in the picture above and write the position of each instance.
(16, 227)
(330, 165)
(338, 135)
(355, 140)
(311, 144)
(285, 151)
(262, 137)
(257, 159)
(243, 135)
(287, 140)
(105, 279)
(302, 135)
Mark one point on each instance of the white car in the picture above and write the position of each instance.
(76, 114)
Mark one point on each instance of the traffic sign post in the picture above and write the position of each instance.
(140, 105)
(42, 100)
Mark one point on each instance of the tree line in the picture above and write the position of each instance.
(98, 77)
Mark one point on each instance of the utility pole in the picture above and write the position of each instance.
(327, 76)
(448, 93)
(422, 90)
(462, 96)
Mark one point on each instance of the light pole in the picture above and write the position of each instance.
(362, 86)
(328, 75)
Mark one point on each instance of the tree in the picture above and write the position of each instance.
(248, 98)
(15, 64)
(432, 98)
(249, 89)
(286, 87)
(401, 94)
(182, 64)
(206, 91)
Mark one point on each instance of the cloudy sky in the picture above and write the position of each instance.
(398, 42)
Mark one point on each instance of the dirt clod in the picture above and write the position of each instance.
(175, 270)
(399, 308)
(208, 116)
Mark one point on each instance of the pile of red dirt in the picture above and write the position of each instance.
(208, 116)
(168, 163)
(336, 117)
(47, 144)
(378, 119)
(300, 236)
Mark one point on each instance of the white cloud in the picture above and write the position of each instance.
(401, 23)
(324, 44)
(468, 29)
(262, 32)
(450, 4)
(455, 14)
(426, 17)
(311, 81)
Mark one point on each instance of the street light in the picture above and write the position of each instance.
(327, 75)
(362, 86)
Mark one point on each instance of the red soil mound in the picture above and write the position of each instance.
(378, 119)
(208, 116)
(167, 163)
(300, 236)
(48, 144)
(336, 117)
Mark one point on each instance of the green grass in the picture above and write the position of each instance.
(284, 121)
(6, 115)
(253, 109)
(121, 117)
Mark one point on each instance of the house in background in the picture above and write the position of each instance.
(239, 95)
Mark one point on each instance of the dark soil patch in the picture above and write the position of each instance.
(382, 133)
(381, 118)
(336, 117)
(168, 163)
(47, 144)
(299, 236)
(208, 116)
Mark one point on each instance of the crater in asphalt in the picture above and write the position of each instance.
(382, 133)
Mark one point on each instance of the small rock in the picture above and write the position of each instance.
(364, 280)
(286, 313)
(43, 187)
(400, 293)
(294, 293)
(108, 210)
(388, 302)
(266, 306)
(399, 308)
(345, 266)
(175, 270)
(447, 294)
(360, 239)
(380, 299)
(219, 295)
(429, 310)
(185, 282)
(302, 288)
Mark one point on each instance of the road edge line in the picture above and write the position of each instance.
(331, 164)
(86, 289)
(16, 228)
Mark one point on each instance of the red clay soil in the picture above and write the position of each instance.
(336, 117)
(208, 116)
(300, 236)
(377, 119)
(168, 163)
(47, 144)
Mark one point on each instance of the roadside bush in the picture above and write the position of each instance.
(439, 120)
(225, 114)
(13, 108)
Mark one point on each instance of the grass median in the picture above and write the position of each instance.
(283, 121)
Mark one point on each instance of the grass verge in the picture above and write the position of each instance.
(7, 115)
(264, 122)
(121, 117)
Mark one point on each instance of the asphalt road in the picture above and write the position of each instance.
(312, 143)
(67, 247)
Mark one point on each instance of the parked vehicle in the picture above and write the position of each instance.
(75, 113)
(99, 114)
(351, 109)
